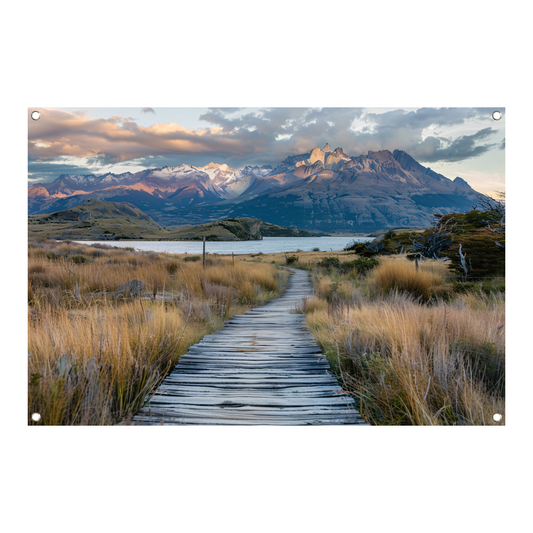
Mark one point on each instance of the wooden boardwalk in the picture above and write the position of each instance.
(261, 368)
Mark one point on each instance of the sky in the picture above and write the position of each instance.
(465, 142)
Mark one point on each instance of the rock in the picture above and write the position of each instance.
(334, 162)
(132, 288)
(316, 155)
(339, 152)
(304, 171)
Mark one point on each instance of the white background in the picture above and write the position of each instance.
(280, 53)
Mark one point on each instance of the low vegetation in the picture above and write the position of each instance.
(413, 346)
(474, 242)
(97, 350)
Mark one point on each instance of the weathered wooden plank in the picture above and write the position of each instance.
(262, 368)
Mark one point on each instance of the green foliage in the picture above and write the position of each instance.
(192, 258)
(473, 220)
(329, 262)
(484, 257)
(290, 259)
(316, 249)
(365, 249)
(361, 265)
(79, 259)
(52, 256)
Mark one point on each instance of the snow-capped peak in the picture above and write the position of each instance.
(220, 173)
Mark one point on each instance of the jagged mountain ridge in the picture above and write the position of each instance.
(323, 189)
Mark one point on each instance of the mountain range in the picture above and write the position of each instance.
(325, 190)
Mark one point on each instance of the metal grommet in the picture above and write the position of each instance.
(497, 115)
(497, 417)
(36, 417)
(35, 115)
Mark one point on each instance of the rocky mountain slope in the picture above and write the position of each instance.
(323, 189)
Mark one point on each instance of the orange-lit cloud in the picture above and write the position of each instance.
(61, 133)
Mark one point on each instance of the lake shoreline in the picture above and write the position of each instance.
(266, 245)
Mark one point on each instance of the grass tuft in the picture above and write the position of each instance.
(403, 276)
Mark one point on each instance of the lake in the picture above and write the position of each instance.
(267, 245)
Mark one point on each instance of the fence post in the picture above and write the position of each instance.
(204, 251)
(233, 258)
(416, 263)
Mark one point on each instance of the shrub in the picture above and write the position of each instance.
(290, 259)
(483, 257)
(316, 249)
(329, 262)
(192, 258)
(366, 249)
(404, 277)
(361, 265)
(52, 256)
(79, 259)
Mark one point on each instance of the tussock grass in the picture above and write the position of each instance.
(407, 355)
(403, 276)
(94, 357)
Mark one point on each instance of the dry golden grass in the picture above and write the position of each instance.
(305, 258)
(408, 360)
(94, 358)
(403, 276)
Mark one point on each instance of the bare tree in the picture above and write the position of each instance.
(466, 268)
(431, 246)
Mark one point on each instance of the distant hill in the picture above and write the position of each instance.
(233, 229)
(101, 220)
(95, 220)
(321, 190)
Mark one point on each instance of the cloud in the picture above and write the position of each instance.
(147, 110)
(240, 136)
(433, 149)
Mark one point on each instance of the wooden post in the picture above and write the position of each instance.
(416, 263)
(204, 251)
(233, 257)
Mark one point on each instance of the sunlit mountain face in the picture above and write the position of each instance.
(324, 189)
